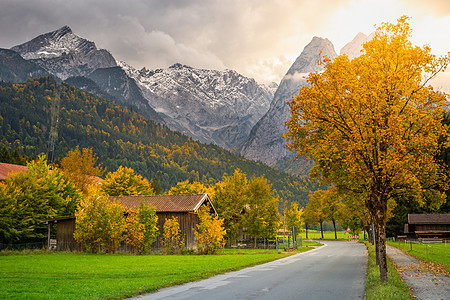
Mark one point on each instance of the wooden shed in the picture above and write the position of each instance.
(64, 233)
(425, 226)
(184, 207)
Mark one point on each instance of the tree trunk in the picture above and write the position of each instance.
(379, 202)
(381, 250)
(306, 230)
(335, 233)
(254, 246)
(321, 229)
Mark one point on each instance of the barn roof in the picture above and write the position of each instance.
(6, 169)
(429, 218)
(165, 203)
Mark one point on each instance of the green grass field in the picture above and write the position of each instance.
(89, 276)
(394, 288)
(328, 235)
(438, 253)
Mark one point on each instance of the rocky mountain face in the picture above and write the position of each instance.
(219, 107)
(265, 142)
(65, 54)
(124, 89)
(353, 48)
(15, 69)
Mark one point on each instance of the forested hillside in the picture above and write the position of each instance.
(121, 137)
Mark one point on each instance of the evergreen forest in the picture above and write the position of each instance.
(34, 113)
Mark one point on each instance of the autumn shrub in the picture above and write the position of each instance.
(99, 223)
(172, 241)
(141, 228)
(210, 232)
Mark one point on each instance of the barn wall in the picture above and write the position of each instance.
(64, 235)
(187, 221)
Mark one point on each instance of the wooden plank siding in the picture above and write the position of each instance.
(64, 235)
(188, 224)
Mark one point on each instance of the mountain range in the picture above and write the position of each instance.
(220, 107)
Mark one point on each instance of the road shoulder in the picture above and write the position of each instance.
(423, 282)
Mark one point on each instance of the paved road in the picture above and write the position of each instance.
(334, 271)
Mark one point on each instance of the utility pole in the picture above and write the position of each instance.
(54, 119)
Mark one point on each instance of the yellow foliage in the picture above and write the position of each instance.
(172, 241)
(124, 182)
(210, 232)
(99, 223)
(80, 167)
(373, 124)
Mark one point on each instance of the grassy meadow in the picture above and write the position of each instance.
(329, 235)
(43, 275)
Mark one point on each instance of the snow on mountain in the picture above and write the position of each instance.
(213, 106)
(64, 54)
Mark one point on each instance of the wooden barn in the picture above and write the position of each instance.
(7, 169)
(428, 226)
(184, 207)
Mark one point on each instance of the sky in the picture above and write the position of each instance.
(257, 38)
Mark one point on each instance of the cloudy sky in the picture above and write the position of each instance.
(258, 38)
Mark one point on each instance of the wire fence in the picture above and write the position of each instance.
(24, 246)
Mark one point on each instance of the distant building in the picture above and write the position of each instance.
(426, 226)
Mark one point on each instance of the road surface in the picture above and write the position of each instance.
(336, 270)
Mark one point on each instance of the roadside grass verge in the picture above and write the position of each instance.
(394, 288)
(438, 253)
(87, 276)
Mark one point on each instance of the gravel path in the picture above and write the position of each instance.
(424, 283)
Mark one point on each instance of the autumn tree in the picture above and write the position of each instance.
(210, 232)
(294, 217)
(261, 217)
(81, 166)
(315, 210)
(100, 223)
(141, 227)
(332, 203)
(28, 197)
(185, 187)
(172, 241)
(372, 124)
(125, 182)
(229, 197)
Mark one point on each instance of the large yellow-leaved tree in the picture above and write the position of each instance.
(373, 124)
